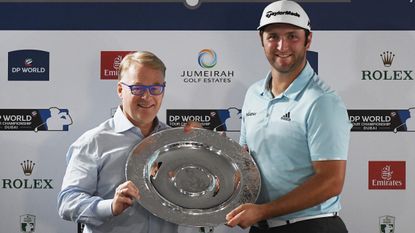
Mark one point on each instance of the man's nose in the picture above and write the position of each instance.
(282, 44)
(146, 93)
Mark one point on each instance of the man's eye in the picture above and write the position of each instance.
(292, 37)
(271, 37)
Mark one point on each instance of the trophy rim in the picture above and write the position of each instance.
(199, 148)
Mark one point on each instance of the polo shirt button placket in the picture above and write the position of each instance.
(269, 109)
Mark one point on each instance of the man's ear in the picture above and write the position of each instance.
(309, 39)
(261, 34)
(119, 89)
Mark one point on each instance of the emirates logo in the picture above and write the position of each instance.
(387, 175)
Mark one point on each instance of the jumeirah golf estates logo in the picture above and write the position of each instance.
(385, 73)
(207, 72)
(207, 58)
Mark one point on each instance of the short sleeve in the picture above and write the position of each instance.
(328, 129)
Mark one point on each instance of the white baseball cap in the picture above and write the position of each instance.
(285, 11)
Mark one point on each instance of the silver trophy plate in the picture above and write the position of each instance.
(192, 178)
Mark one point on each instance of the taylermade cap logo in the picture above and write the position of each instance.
(273, 13)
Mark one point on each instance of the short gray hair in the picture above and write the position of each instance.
(141, 57)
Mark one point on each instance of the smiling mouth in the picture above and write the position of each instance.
(283, 55)
(145, 105)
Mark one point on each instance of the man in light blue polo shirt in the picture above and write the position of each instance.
(298, 131)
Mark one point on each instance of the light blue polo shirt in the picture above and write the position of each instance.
(308, 122)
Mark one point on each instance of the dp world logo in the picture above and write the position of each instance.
(28, 65)
(207, 58)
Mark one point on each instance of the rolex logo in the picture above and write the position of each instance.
(27, 167)
(387, 74)
(387, 58)
(39, 183)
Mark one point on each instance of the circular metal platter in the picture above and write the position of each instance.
(192, 178)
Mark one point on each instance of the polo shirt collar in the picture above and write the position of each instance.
(295, 87)
(265, 85)
(122, 124)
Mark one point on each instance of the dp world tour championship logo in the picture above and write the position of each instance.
(394, 120)
(214, 119)
(52, 119)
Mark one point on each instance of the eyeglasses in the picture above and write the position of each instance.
(140, 90)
